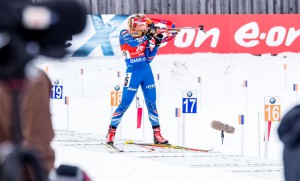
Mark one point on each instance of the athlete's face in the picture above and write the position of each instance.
(136, 34)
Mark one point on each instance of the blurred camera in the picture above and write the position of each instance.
(29, 29)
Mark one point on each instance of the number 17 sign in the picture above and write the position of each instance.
(272, 109)
(189, 101)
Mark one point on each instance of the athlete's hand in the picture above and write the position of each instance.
(151, 31)
(158, 39)
(149, 35)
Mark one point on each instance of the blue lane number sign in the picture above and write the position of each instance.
(57, 89)
(56, 92)
(189, 105)
(189, 102)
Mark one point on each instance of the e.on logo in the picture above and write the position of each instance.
(187, 36)
(249, 35)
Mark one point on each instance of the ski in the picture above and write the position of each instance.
(148, 147)
(168, 146)
(110, 145)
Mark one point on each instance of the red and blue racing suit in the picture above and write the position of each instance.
(138, 56)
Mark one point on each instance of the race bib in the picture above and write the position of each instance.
(127, 79)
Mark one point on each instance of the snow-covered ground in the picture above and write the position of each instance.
(221, 96)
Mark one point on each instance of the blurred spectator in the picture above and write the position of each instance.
(37, 130)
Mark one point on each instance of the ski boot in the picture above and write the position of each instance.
(111, 135)
(158, 139)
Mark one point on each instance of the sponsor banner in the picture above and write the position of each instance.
(100, 37)
(192, 40)
(265, 33)
(254, 34)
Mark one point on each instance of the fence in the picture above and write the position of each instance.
(191, 6)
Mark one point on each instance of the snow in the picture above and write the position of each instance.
(220, 94)
(112, 167)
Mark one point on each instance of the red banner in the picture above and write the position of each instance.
(254, 34)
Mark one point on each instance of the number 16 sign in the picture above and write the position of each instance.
(189, 101)
(272, 109)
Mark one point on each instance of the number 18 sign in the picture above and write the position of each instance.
(272, 109)
(189, 101)
(115, 96)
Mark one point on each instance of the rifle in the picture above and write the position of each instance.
(170, 30)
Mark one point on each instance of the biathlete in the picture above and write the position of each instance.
(135, 44)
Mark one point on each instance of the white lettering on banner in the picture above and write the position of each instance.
(271, 38)
(249, 35)
(241, 35)
(201, 37)
(292, 36)
(186, 37)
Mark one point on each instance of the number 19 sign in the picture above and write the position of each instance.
(272, 109)
(189, 101)
(56, 90)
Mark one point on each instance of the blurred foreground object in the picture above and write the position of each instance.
(37, 131)
(48, 24)
(289, 134)
(68, 173)
(26, 31)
